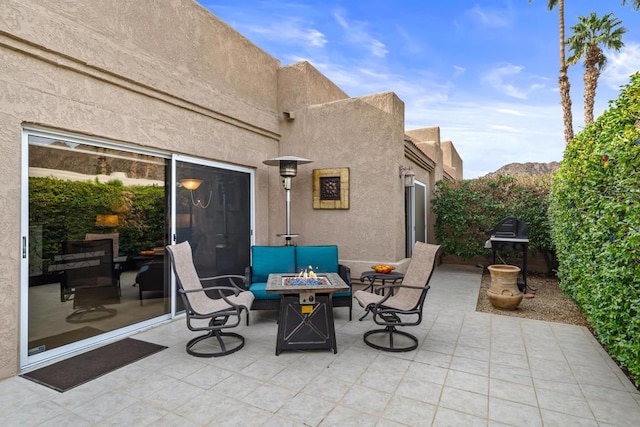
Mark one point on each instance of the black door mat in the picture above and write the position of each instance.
(77, 370)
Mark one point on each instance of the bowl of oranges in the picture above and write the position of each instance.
(383, 268)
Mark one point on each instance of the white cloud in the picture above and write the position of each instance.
(458, 70)
(489, 18)
(621, 65)
(511, 112)
(505, 128)
(356, 33)
(496, 79)
(410, 43)
(509, 80)
(290, 31)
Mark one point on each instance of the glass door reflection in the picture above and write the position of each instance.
(97, 223)
(213, 213)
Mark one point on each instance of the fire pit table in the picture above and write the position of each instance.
(306, 311)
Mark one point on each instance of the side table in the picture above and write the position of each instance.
(371, 276)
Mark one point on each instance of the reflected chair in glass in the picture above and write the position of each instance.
(89, 279)
(228, 302)
(150, 279)
(402, 306)
(117, 259)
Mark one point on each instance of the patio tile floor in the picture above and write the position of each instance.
(471, 369)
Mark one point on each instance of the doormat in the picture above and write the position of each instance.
(77, 370)
(54, 341)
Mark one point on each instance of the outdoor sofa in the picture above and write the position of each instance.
(293, 259)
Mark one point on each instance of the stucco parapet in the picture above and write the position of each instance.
(431, 149)
(425, 134)
(301, 84)
(452, 159)
(415, 154)
(388, 102)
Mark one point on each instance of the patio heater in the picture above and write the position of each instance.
(288, 169)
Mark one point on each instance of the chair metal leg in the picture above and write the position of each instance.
(390, 331)
(91, 314)
(216, 323)
(223, 346)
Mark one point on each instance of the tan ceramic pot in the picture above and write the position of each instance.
(503, 292)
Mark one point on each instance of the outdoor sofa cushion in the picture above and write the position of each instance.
(323, 259)
(289, 259)
(267, 260)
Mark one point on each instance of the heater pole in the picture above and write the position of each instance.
(286, 182)
(288, 169)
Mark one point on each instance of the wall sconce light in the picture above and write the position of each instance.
(192, 184)
(106, 220)
(409, 176)
(288, 169)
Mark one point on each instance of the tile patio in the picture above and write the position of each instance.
(471, 369)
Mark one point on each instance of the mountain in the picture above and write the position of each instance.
(525, 169)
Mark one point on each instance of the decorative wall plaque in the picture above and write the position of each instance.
(331, 188)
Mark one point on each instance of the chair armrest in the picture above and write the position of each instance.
(232, 285)
(235, 290)
(400, 285)
(345, 274)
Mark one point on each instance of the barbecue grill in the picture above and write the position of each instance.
(510, 235)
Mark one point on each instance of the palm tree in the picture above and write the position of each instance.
(589, 34)
(563, 80)
(635, 4)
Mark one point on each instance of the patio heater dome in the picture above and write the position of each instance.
(288, 164)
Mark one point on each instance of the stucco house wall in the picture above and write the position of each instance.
(366, 135)
(451, 160)
(171, 76)
(109, 69)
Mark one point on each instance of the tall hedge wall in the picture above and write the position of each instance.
(466, 209)
(595, 222)
(68, 209)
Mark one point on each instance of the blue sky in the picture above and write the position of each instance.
(485, 72)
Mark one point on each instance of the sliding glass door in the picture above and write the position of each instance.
(98, 216)
(415, 215)
(97, 221)
(213, 212)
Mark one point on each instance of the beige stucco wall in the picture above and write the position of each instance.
(110, 69)
(364, 134)
(451, 160)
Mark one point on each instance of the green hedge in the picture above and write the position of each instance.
(67, 210)
(595, 221)
(466, 209)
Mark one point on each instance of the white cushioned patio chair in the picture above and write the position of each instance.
(231, 300)
(400, 303)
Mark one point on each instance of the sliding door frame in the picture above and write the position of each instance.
(31, 362)
(174, 205)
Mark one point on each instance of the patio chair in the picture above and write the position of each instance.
(402, 305)
(89, 279)
(229, 303)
